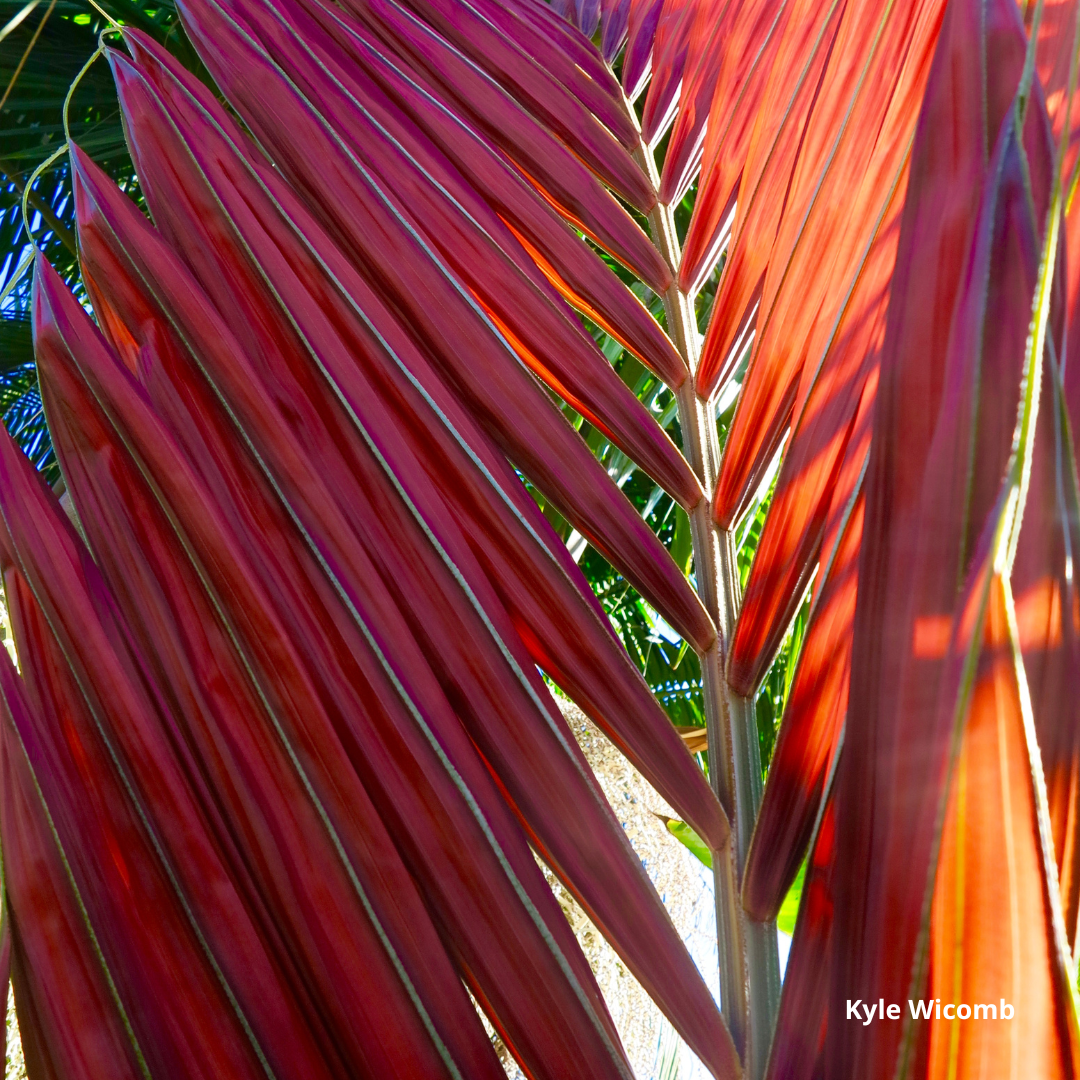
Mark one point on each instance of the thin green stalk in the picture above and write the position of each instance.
(11, 175)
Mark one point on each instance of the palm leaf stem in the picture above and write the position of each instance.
(748, 956)
(9, 174)
(26, 53)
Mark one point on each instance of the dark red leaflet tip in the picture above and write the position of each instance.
(578, 130)
(545, 334)
(560, 176)
(591, 84)
(798, 1048)
(643, 18)
(480, 176)
(555, 103)
(574, 43)
(808, 740)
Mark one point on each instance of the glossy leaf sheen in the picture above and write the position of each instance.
(240, 687)
(545, 334)
(498, 397)
(993, 935)
(861, 125)
(62, 996)
(454, 642)
(145, 840)
(282, 753)
(342, 370)
(808, 740)
(893, 769)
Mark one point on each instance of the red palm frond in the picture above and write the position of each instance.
(282, 682)
(996, 936)
(896, 744)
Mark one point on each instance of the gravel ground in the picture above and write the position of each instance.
(14, 1068)
(685, 886)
